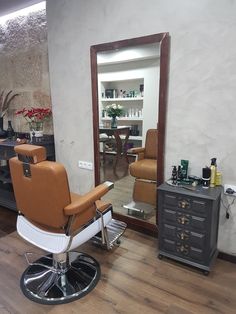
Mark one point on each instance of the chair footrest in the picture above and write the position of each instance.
(139, 208)
(115, 229)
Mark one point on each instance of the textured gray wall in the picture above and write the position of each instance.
(202, 94)
(24, 65)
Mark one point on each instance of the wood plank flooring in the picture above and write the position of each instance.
(133, 281)
(7, 222)
(108, 172)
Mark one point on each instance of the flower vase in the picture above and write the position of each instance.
(36, 129)
(113, 122)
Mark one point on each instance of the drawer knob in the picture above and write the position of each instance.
(183, 236)
(184, 204)
(183, 220)
(183, 249)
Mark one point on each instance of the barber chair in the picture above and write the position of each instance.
(144, 169)
(58, 221)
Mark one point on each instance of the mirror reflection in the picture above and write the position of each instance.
(128, 93)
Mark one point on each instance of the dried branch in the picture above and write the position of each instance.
(5, 102)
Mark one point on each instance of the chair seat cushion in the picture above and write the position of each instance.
(144, 169)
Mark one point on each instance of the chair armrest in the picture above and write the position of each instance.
(87, 200)
(101, 205)
(139, 151)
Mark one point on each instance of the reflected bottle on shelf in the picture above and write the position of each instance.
(141, 89)
(10, 131)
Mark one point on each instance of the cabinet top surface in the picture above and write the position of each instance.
(8, 143)
(211, 193)
(11, 143)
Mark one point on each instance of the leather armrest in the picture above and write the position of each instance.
(87, 200)
(137, 150)
(101, 206)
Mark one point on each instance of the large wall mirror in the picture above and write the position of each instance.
(129, 92)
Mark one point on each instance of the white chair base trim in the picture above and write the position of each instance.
(55, 242)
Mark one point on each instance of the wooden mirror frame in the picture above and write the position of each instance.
(164, 40)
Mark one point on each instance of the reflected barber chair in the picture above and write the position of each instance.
(144, 169)
(58, 221)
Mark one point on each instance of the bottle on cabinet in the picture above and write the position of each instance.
(206, 177)
(213, 173)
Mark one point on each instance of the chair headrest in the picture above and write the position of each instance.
(31, 153)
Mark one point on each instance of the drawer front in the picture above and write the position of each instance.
(195, 239)
(199, 206)
(198, 239)
(168, 245)
(170, 215)
(198, 223)
(186, 203)
(196, 254)
(175, 217)
(182, 219)
(172, 200)
(183, 250)
(169, 231)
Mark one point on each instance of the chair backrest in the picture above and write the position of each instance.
(151, 144)
(41, 187)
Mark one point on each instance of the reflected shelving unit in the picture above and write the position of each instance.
(127, 94)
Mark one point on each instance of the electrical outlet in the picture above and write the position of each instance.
(85, 165)
(89, 165)
(230, 189)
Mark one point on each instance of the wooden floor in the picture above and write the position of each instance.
(108, 172)
(7, 222)
(133, 281)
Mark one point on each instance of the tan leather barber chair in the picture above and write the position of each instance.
(144, 169)
(58, 221)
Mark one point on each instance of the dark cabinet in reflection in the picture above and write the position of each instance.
(7, 198)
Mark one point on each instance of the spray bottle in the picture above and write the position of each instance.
(213, 173)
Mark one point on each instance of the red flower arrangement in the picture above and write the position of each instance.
(35, 114)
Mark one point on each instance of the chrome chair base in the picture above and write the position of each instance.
(48, 282)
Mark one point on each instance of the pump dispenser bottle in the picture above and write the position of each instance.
(213, 173)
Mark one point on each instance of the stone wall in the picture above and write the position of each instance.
(24, 65)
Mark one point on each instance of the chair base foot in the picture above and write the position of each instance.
(50, 285)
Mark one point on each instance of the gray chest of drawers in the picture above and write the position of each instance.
(188, 224)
